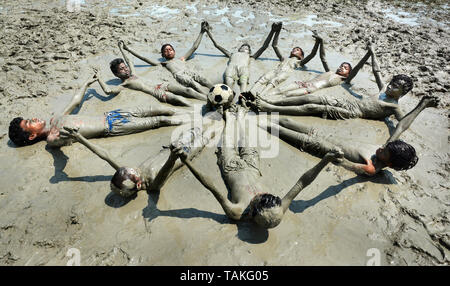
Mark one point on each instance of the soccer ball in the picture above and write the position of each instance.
(220, 94)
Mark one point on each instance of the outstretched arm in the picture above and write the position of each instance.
(319, 42)
(196, 143)
(309, 176)
(99, 151)
(227, 206)
(275, 43)
(107, 89)
(358, 66)
(78, 97)
(196, 43)
(376, 69)
(266, 42)
(164, 172)
(126, 58)
(407, 120)
(367, 169)
(147, 60)
(220, 48)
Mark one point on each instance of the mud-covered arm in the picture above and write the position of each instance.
(147, 60)
(407, 120)
(319, 42)
(358, 66)
(367, 169)
(227, 206)
(196, 43)
(220, 48)
(266, 42)
(126, 58)
(99, 151)
(78, 97)
(164, 172)
(376, 69)
(308, 177)
(275, 45)
(109, 90)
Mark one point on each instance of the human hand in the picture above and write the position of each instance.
(316, 36)
(70, 133)
(94, 77)
(336, 156)
(369, 46)
(178, 151)
(204, 26)
(430, 100)
(277, 26)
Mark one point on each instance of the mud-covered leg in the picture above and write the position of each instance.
(229, 80)
(185, 91)
(274, 82)
(244, 79)
(262, 82)
(311, 99)
(302, 110)
(135, 125)
(175, 99)
(299, 92)
(228, 149)
(281, 90)
(303, 141)
(198, 87)
(155, 110)
(204, 81)
(296, 126)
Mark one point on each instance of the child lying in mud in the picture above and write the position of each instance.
(286, 66)
(240, 170)
(178, 66)
(166, 93)
(113, 123)
(394, 154)
(327, 79)
(153, 172)
(239, 63)
(343, 107)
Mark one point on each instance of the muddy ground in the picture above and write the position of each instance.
(54, 200)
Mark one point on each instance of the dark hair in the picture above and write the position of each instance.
(303, 53)
(249, 48)
(19, 136)
(266, 201)
(402, 155)
(164, 46)
(405, 81)
(114, 65)
(349, 65)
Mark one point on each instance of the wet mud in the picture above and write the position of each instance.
(53, 200)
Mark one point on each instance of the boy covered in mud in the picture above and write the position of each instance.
(346, 106)
(167, 93)
(394, 154)
(284, 69)
(152, 173)
(327, 79)
(178, 66)
(116, 122)
(249, 199)
(239, 63)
